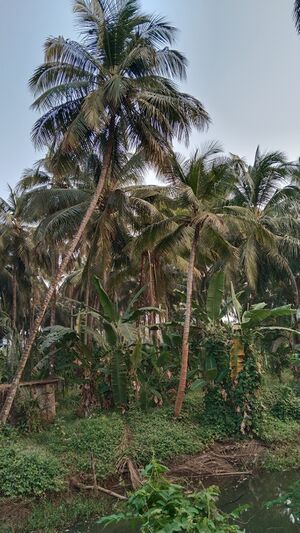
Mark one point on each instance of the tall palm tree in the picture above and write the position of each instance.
(199, 188)
(114, 87)
(263, 216)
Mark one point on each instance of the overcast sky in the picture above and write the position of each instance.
(244, 65)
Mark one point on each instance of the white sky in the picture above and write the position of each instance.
(244, 66)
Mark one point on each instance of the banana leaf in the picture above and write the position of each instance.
(215, 296)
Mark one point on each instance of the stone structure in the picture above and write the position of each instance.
(43, 391)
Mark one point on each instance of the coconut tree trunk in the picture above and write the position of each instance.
(60, 272)
(52, 324)
(14, 298)
(186, 327)
(87, 338)
(152, 298)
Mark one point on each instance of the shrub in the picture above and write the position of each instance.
(160, 505)
(285, 403)
(193, 406)
(280, 400)
(27, 413)
(220, 415)
(28, 473)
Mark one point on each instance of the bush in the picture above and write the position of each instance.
(283, 458)
(28, 473)
(280, 402)
(285, 403)
(27, 413)
(160, 505)
(220, 415)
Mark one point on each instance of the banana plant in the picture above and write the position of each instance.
(122, 338)
(240, 324)
(117, 348)
(251, 322)
(258, 313)
(216, 306)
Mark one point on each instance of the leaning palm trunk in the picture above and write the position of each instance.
(186, 327)
(37, 324)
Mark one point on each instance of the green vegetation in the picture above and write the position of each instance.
(25, 473)
(67, 445)
(75, 441)
(169, 312)
(70, 442)
(160, 505)
(53, 515)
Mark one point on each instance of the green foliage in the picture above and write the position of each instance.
(25, 473)
(51, 517)
(274, 431)
(74, 442)
(8, 434)
(53, 514)
(159, 433)
(219, 415)
(259, 313)
(162, 506)
(123, 346)
(281, 401)
(284, 456)
(230, 404)
(27, 413)
(215, 295)
(214, 353)
(109, 309)
(119, 378)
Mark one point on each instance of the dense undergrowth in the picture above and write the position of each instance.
(35, 464)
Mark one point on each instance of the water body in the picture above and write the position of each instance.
(254, 491)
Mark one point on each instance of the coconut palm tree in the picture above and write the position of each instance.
(199, 187)
(58, 210)
(112, 88)
(263, 217)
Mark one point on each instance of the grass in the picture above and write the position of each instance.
(159, 434)
(283, 458)
(283, 437)
(74, 441)
(53, 516)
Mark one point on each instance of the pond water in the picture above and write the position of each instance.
(254, 491)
